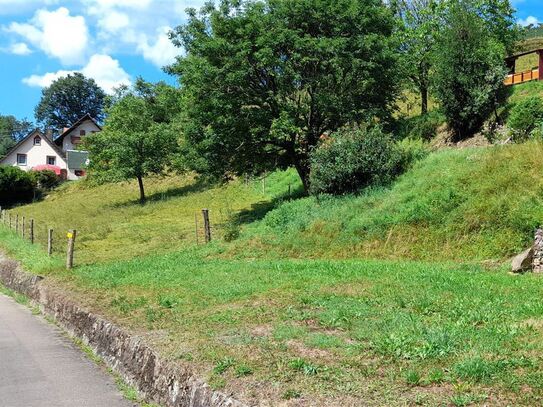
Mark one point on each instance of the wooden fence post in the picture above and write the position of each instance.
(50, 242)
(70, 253)
(207, 226)
(32, 231)
(17, 224)
(23, 228)
(9, 218)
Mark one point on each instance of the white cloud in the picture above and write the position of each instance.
(162, 52)
(41, 81)
(57, 33)
(20, 48)
(132, 25)
(530, 20)
(114, 21)
(105, 70)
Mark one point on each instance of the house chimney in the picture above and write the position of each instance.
(65, 129)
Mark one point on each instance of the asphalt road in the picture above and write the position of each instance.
(40, 367)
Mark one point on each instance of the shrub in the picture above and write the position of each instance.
(526, 117)
(422, 127)
(353, 159)
(16, 186)
(45, 179)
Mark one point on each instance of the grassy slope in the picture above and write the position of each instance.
(331, 332)
(472, 204)
(111, 224)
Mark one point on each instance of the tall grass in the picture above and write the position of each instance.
(472, 204)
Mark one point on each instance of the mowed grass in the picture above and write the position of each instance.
(112, 225)
(340, 333)
(472, 204)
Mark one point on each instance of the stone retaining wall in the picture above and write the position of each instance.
(157, 380)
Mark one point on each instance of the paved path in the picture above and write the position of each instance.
(39, 367)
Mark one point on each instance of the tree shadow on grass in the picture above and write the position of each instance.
(259, 210)
(199, 185)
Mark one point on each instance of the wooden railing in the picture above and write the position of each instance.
(521, 77)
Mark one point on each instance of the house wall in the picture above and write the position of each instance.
(35, 155)
(88, 126)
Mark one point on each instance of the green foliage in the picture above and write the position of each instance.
(139, 137)
(45, 180)
(526, 117)
(68, 99)
(262, 81)
(420, 23)
(12, 130)
(412, 151)
(458, 204)
(468, 78)
(423, 127)
(16, 186)
(352, 159)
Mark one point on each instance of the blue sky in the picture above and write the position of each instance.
(112, 41)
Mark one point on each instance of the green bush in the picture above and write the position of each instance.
(16, 186)
(526, 118)
(352, 159)
(45, 179)
(422, 127)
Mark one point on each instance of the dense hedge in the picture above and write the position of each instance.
(19, 187)
(16, 186)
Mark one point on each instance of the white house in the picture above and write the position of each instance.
(37, 150)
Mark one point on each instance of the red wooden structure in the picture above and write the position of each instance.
(535, 74)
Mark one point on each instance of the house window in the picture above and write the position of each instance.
(51, 160)
(82, 132)
(37, 141)
(75, 140)
(21, 159)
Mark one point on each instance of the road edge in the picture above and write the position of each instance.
(157, 379)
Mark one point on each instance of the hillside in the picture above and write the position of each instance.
(457, 204)
(470, 204)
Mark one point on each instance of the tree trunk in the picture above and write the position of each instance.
(142, 190)
(302, 167)
(423, 99)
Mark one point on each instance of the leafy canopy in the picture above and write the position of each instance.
(68, 99)
(11, 131)
(139, 137)
(469, 79)
(263, 80)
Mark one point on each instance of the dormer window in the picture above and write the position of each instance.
(37, 141)
(82, 132)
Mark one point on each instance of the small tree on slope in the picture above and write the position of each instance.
(138, 139)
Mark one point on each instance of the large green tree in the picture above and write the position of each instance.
(262, 81)
(68, 99)
(469, 68)
(12, 130)
(140, 135)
